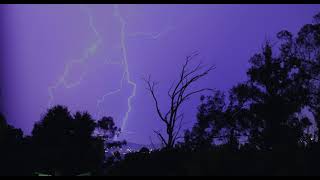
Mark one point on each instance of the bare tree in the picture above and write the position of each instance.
(178, 93)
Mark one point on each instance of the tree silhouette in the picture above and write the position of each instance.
(266, 108)
(219, 119)
(66, 144)
(178, 94)
(279, 93)
(306, 48)
(11, 151)
(107, 130)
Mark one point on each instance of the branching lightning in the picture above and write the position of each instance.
(91, 50)
(126, 74)
(88, 52)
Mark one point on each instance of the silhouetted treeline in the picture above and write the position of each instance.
(218, 161)
(267, 125)
(61, 144)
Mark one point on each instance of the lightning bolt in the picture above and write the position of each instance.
(87, 54)
(102, 99)
(126, 66)
(126, 74)
(91, 50)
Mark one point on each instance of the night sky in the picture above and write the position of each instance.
(94, 57)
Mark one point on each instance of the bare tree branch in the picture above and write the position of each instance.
(178, 94)
(161, 138)
(181, 116)
(151, 89)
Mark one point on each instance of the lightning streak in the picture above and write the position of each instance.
(87, 54)
(126, 66)
(126, 74)
(91, 50)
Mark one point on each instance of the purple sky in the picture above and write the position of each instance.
(93, 57)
